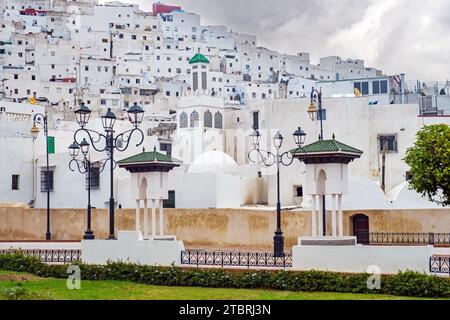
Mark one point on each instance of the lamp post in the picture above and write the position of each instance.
(102, 142)
(85, 167)
(42, 119)
(269, 159)
(316, 98)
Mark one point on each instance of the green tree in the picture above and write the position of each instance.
(429, 160)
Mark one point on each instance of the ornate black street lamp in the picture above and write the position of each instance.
(107, 142)
(316, 98)
(42, 119)
(269, 159)
(85, 166)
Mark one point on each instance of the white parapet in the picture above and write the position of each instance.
(130, 246)
(360, 259)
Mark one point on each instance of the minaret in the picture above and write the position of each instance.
(200, 68)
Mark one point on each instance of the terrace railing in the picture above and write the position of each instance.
(49, 255)
(440, 265)
(235, 259)
(410, 238)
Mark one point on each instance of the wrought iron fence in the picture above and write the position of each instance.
(440, 264)
(235, 259)
(50, 255)
(410, 238)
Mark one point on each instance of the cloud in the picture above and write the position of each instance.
(410, 36)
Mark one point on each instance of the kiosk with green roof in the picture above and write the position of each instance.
(149, 175)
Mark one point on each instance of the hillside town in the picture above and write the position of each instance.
(203, 89)
(152, 138)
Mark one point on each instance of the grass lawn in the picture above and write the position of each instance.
(121, 290)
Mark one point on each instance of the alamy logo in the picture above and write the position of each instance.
(74, 278)
(374, 281)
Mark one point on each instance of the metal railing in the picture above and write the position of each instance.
(235, 259)
(410, 238)
(440, 265)
(49, 255)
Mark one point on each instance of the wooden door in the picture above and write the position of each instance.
(361, 228)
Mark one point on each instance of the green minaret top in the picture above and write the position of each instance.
(198, 58)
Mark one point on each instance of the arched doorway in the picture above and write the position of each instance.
(361, 228)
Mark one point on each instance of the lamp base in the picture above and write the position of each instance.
(278, 245)
(88, 235)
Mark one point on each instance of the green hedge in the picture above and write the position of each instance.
(403, 284)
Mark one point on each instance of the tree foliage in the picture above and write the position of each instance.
(429, 160)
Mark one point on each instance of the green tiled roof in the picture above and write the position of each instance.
(198, 58)
(146, 157)
(326, 146)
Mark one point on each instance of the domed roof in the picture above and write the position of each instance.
(213, 161)
(198, 58)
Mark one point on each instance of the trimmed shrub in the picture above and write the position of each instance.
(403, 284)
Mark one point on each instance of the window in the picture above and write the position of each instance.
(255, 120)
(298, 191)
(194, 119)
(166, 147)
(95, 178)
(195, 81)
(388, 142)
(183, 120)
(207, 121)
(363, 87)
(16, 76)
(322, 114)
(170, 202)
(103, 102)
(218, 120)
(15, 182)
(379, 87)
(33, 77)
(47, 184)
(204, 80)
(383, 86)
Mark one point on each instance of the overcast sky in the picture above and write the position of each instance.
(411, 36)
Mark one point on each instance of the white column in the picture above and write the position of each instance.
(138, 215)
(161, 218)
(333, 215)
(314, 217)
(320, 216)
(153, 218)
(340, 216)
(145, 218)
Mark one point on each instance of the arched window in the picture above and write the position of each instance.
(194, 119)
(208, 121)
(218, 120)
(183, 120)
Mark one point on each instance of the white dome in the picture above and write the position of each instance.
(213, 161)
